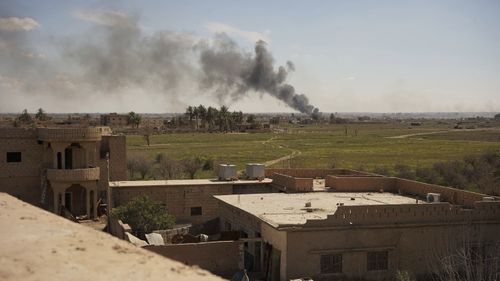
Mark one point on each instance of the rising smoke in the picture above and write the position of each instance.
(117, 55)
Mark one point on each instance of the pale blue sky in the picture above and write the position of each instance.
(366, 56)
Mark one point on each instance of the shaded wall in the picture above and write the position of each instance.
(222, 258)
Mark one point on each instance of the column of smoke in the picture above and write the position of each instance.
(117, 55)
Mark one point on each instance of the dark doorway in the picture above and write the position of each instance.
(68, 200)
(68, 158)
(59, 160)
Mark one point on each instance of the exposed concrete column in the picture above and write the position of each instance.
(58, 148)
(56, 201)
(57, 189)
(95, 202)
(87, 190)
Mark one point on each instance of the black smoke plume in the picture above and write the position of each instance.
(234, 73)
(116, 55)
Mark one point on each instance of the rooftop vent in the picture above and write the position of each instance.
(433, 197)
(227, 172)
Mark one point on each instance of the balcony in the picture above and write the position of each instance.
(69, 134)
(73, 175)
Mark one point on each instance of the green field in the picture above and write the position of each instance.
(366, 146)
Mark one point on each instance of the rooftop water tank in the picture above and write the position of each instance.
(255, 171)
(227, 172)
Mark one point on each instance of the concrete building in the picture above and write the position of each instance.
(61, 166)
(37, 245)
(358, 226)
(189, 201)
(114, 120)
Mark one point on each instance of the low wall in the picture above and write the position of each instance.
(359, 184)
(313, 173)
(118, 228)
(449, 194)
(293, 184)
(366, 184)
(405, 214)
(222, 258)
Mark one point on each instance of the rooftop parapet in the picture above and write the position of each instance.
(69, 134)
(380, 215)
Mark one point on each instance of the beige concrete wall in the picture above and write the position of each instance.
(21, 179)
(313, 173)
(118, 229)
(221, 257)
(178, 200)
(292, 184)
(359, 184)
(117, 158)
(414, 249)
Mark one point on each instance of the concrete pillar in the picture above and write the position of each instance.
(63, 198)
(95, 202)
(87, 190)
(56, 201)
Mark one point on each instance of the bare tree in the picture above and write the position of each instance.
(167, 168)
(191, 166)
(139, 164)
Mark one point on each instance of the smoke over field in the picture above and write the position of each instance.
(117, 55)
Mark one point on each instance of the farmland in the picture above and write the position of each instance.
(358, 146)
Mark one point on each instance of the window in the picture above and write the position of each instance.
(331, 263)
(377, 260)
(13, 157)
(195, 211)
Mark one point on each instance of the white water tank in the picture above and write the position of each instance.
(255, 171)
(227, 172)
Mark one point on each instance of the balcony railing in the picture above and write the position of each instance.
(73, 175)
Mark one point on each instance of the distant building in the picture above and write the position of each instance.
(114, 120)
(61, 167)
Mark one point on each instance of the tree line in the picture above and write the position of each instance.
(474, 172)
(165, 167)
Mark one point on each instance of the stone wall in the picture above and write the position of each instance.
(221, 257)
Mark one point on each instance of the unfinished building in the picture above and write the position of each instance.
(61, 168)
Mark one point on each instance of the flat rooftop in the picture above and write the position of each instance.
(278, 209)
(187, 182)
(38, 245)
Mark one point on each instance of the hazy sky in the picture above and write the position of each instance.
(361, 56)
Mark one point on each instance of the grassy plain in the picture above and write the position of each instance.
(365, 146)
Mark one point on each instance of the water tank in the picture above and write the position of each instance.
(227, 172)
(255, 171)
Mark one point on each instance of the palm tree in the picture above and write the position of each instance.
(202, 113)
(41, 115)
(190, 114)
(223, 118)
(211, 117)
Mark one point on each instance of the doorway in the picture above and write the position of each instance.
(68, 158)
(68, 199)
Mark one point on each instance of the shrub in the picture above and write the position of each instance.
(144, 215)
